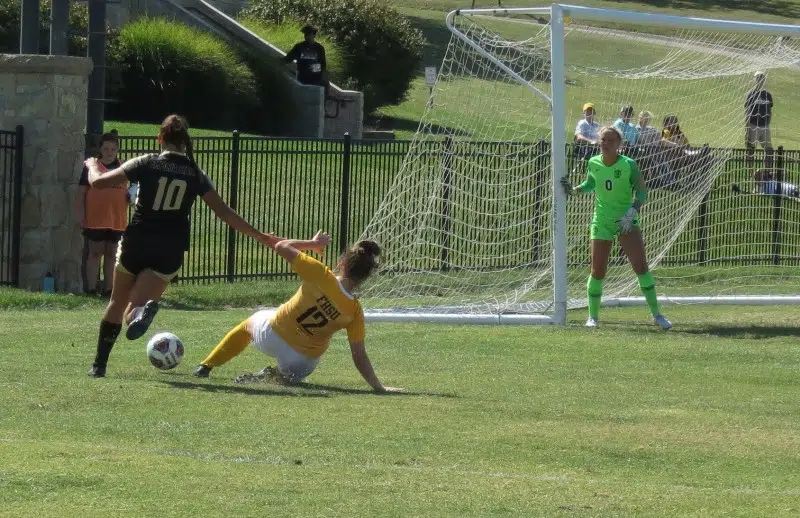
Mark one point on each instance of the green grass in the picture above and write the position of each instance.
(509, 421)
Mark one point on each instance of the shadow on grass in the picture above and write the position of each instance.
(237, 389)
(748, 332)
(743, 332)
(342, 390)
(386, 123)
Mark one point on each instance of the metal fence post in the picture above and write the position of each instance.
(233, 200)
(702, 231)
(16, 232)
(447, 183)
(776, 209)
(59, 25)
(345, 195)
(29, 27)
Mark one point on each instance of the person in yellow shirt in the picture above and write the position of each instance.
(299, 332)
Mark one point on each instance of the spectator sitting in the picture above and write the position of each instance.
(656, 171)
(310, 58)
(647, 135)
(683, 161)
(586, 133)
(629, 132)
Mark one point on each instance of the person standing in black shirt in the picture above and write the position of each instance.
(758, 109)
(153, 245)
(310, 58)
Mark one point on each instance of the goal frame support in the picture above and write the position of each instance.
(559, 14)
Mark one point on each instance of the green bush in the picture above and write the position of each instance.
(164, 67)
(285, 35)
(10, 25)
(383, 50)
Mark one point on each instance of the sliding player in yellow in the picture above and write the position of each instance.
(614, 178)
(299, 332)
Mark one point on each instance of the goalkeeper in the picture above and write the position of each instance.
(613, 178)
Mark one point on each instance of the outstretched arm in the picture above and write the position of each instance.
(99, 180)
(584, 187)
(364, 366)
(289, 249)
(224, 212)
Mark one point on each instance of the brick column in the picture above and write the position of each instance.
(47, 96)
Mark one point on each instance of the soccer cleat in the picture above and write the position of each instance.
(141, 323)
(202, 371)
(662, 322)
(592, 322)
(98, 371)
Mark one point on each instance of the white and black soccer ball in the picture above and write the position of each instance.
(165, 351)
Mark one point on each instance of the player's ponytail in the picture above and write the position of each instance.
(175, 132)
(361, 260)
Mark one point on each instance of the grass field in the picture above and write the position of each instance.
(510, 421)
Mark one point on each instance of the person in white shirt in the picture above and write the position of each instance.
(586, 134)
(587, 130)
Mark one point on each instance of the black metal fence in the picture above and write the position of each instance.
(10, 204)
(297, 186)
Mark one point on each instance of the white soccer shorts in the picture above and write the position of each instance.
(291, 364)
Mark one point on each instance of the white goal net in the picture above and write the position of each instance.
(468, 225)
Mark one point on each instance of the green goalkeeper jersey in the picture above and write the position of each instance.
(613, 186)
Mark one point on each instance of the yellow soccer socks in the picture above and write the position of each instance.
(231, 346)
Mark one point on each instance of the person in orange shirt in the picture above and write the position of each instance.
(103, 215)
(299, 332)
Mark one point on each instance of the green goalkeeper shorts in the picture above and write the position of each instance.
(606, 229)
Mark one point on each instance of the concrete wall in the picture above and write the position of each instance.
(47, 96)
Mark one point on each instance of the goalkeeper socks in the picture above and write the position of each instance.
(105, 342)
(594, 289)
(648, 285)
(234, 343)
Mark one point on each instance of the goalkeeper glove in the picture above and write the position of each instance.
(626, 221)
(565, 183)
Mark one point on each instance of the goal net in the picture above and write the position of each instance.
(469, 226)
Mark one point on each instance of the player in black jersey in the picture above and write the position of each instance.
(153, 245)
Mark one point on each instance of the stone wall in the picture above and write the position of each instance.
(47, 95)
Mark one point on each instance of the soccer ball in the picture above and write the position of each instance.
(165, 351)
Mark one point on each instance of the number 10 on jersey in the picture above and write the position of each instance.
(170, 194)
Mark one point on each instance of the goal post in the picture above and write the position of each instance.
(476, 228)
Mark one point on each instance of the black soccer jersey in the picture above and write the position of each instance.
(311, 62)
(168, 185)
(759, 108)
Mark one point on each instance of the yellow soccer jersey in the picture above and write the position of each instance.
(318, 309)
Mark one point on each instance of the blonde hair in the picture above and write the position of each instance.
(646, 114)
(606, 129)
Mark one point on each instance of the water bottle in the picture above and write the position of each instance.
(49, 285)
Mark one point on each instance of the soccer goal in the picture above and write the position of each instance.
(476, 228)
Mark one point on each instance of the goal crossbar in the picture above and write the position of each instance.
(650, 19)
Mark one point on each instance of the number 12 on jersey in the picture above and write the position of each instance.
(170, 194)
(311, 319)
